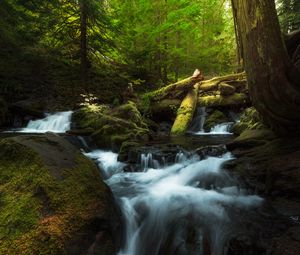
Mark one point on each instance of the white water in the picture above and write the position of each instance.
(163, 205)
(220, 129)
(58, 123)
(199, 120)
(107, 162)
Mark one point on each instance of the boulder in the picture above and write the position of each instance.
(53, 200)
(215, 118)
(112, 127)
(250, 120)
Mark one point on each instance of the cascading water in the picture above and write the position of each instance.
(58, 123)
(223, 128)
(199, 120)
(164, 207)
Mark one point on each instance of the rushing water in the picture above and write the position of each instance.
(164, 207)
(59, 122)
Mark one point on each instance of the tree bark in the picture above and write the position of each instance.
(83, 44)
(273, 79)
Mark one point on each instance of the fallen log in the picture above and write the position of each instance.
(177, 90)
(185, 113)
(219, 100)
(232, 79)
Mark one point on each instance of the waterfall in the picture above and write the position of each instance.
(223, 128)
(199, 120)
(164, 205)
(58, 123)
(107, 162)
(180, 157)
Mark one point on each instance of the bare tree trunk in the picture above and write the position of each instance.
(239, 49)
(273, 79)
(83, 45)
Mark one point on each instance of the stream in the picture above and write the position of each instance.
(186, 206)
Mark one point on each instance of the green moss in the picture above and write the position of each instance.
(249, 120)
(213, 119)
(185, 113)
(218, 100)
(39, 214)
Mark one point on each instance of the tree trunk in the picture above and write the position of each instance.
(83, 44)
(273, 80)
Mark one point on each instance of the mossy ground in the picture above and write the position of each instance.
(40, 214)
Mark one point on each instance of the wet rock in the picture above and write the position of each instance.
(112, 126)
(214, 118)
(211, 151)
(250, 119)
(54, 201)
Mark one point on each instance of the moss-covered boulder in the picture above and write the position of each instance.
(250, 120)
(53, 200)
(112, 127)
(215, 118)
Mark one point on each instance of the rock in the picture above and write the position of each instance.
(211, 151)
(250, 119)
(215, 118)
(165, 110)
(53, 200)
(87, 131)
(226, 89)
(113, 127)
(251, 138)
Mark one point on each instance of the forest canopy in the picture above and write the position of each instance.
(53, 47)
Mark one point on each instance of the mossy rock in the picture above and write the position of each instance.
(127, 147)
(130, 112)
(250, 120)
(112, 127)
(215, 118)
(53, 200)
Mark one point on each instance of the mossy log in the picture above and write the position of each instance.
(176, 90)
(185, 113)
(235, 80)
(219, 100)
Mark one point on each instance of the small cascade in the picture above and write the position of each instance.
(199, 120)
(164, 205)
(58, 123)
(107, 162)
(180, 157)
(223, 128)
(147, 162)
